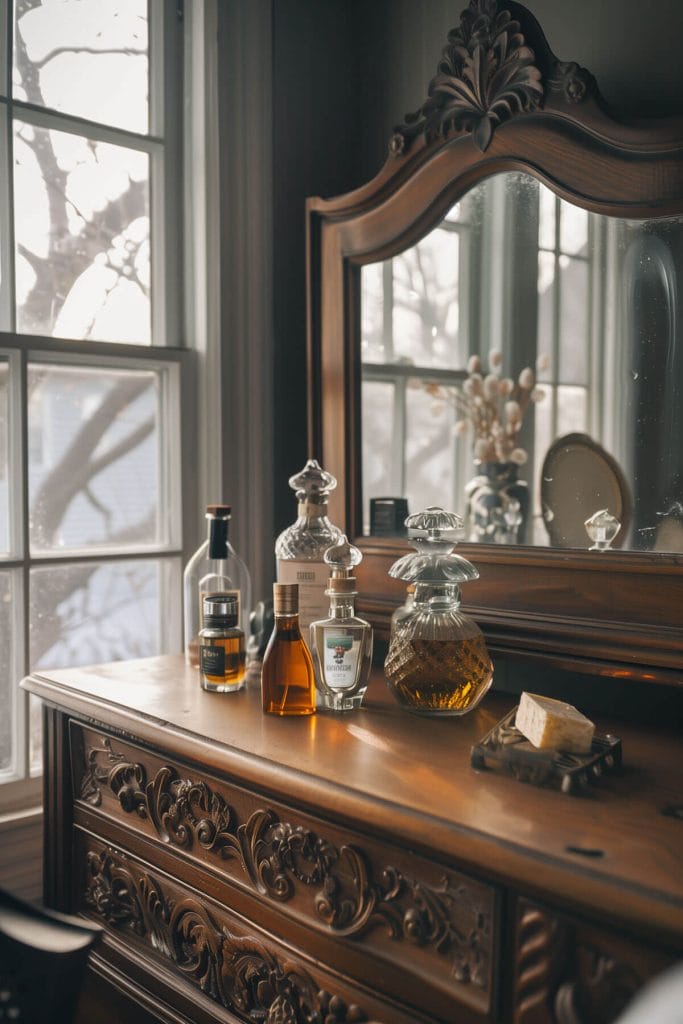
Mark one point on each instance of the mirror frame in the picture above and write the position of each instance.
(618, 613)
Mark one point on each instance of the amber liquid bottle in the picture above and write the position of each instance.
(287, 676)
(221, 645)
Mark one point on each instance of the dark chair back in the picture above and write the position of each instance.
(42, 960)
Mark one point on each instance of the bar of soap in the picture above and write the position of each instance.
(553, 725)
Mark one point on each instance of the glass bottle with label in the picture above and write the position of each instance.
(215, 568)
(287, 676)
(221, 645)
(437, 663)
(341, 644)
(300, 549)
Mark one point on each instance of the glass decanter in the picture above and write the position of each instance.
(341, 644)
(300, 549)
(437, 663)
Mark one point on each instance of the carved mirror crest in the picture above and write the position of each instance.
(494, 326)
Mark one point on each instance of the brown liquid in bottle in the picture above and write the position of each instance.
(439, 676)
(287, 676)
(233, 662)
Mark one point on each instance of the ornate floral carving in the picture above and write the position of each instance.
(486, 75)
(238, 972)
(96, 773)
(573, 81)
(274, 855)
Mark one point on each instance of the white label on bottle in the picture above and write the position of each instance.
(312, 578)
(341, 653)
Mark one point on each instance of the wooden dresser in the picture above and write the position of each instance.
(344, 869)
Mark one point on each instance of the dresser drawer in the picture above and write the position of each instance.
(411, 927)
(224, 958)
(568, 971)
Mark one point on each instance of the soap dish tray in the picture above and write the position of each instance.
(505, 747)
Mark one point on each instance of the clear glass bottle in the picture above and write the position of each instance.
(300, 549)
(437, 663)
(215, 568)
(221, 645)
(287, 676)
(341, 644)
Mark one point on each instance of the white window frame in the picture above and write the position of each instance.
(176, 365)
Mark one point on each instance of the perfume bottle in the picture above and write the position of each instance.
(602, 527)
(287, 676)
(437, 663)
(341, 644)
(214, 568)
(300, 549)
(221, 645)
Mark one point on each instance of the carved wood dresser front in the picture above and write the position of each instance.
(344, 869)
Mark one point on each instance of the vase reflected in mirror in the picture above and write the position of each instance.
(497, 504)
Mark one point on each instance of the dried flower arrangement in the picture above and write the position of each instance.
(491, 408)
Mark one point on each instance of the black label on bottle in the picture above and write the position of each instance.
(212, 660)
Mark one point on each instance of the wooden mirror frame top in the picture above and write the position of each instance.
(618, 613)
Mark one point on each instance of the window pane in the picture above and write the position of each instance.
(546, 315)
(88, 613)
(430, 452)
(3, 47)
(4, 467)
(92, 612)
(6, 299)
(426, 302)
(572, 410)
(82, 237)
(84, 57)
(574, 320)
(373, 341)
(573, 229)
(546, 218)
(378, 443)
(94, 458)
(8, 682)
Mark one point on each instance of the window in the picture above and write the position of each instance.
(415, 330)
(90, 373)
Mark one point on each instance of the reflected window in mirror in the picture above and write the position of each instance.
(590, 304)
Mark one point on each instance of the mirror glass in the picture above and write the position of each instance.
(522, 364)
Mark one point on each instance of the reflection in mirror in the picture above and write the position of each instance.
(520, 320)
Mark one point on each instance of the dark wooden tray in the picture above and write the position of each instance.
(506, 748)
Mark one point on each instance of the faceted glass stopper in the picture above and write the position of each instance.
(343, 556)
(312, 481)
(602, 527)
(434, 525)
(433, 533)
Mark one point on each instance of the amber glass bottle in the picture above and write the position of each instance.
(287, 676)
(221, 645)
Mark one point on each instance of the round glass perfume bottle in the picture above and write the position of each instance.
(437, 663)
(602, 527)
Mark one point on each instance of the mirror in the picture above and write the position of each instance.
(526, 288)
(514, 224)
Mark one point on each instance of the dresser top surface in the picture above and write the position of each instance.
(410, 777)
